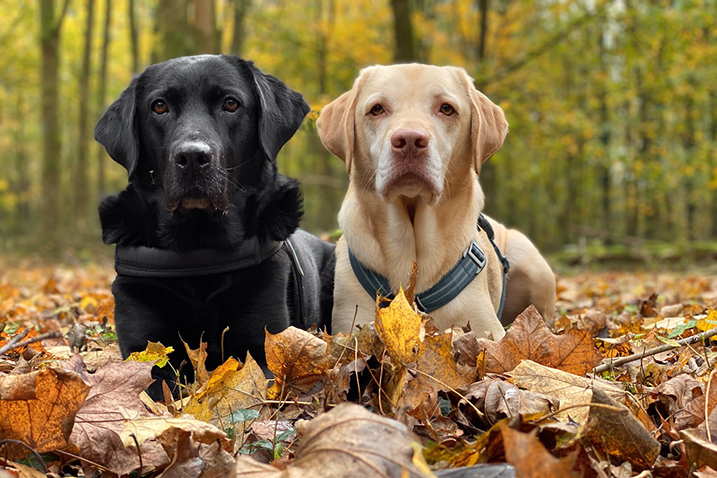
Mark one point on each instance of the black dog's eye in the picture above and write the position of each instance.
(231, 104)
(377, 109)
(160, 107)
(447, 109)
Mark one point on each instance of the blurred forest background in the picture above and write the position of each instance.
(612, 104)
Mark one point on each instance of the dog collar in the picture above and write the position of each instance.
(449, 286)
(161, 263)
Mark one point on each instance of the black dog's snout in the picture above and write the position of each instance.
(193, 158)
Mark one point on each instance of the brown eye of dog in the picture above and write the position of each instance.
(376, 110)
(160, 107)
(231, 104)
(447, 109)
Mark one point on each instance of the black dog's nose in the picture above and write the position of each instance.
(193, 158)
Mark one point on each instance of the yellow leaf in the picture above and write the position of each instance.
(155, 351)
(709, 322)
(218, 376)
(399, 327)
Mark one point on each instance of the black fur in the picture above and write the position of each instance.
(202, 175)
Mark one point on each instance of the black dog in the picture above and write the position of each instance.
(206, 230)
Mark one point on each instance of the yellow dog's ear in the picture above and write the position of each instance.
(336, 125)
(488, 124)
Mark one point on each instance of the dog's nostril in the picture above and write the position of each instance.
(202, 160)
(180, 160)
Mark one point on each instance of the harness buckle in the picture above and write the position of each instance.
(475, 253)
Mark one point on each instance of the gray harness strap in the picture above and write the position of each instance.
(449, 286)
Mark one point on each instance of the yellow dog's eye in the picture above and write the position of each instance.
(160, 107)
(231, 104)
(377, 109)
(447, 109)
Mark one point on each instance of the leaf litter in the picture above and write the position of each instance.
(394, 398)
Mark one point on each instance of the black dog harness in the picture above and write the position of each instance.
(445, 290)
(150, 262)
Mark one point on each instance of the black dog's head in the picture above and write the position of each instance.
(194, 131)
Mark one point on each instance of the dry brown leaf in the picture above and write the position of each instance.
(399, 327)
(683, 397)
(198, 357)
(198, 460)
(436, 360)
(142, 428)
(530, 339)
(115, 388)
(530, 458)
(569, 389)
(39, 408)
(298, 360)
(498, 399)
(700, 451)
(347, 442)
(613, 428)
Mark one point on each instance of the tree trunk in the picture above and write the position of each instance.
(205, 27)
(133, 37)
(483, 8)
(101, 156)
(406, 50)
(174, 36)
(82, 177)
(50, 26)
(241, 9)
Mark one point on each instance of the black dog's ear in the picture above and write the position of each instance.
(282, 111)
(117, 130)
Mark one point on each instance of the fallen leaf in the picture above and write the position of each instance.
(435, 359)
(700, 452)
(498, 399)
(613, 428)
(230, 390)
(198, 460)
(100, 421)
(155, 352)
(530, 458)
(298, 360)
(399, 327)
(530, 339)
(347, 442)
(570, 390)
(142, 428)
(39, 408)
(198, 358)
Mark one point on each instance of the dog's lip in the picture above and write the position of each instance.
(196, 200)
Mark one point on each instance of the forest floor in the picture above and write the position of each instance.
(440, 400)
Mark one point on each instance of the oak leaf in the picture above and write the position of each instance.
(298, 360)
(530, 339)
(39, 408)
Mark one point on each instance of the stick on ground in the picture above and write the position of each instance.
(656, 350)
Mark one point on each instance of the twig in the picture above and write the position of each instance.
(707, 403)
(139, 452)
(37, 456)
(656, 350)
(13, 342)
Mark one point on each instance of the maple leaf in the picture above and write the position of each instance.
(298, 360)
(39, 408)
(530, 339)
(98, 424)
